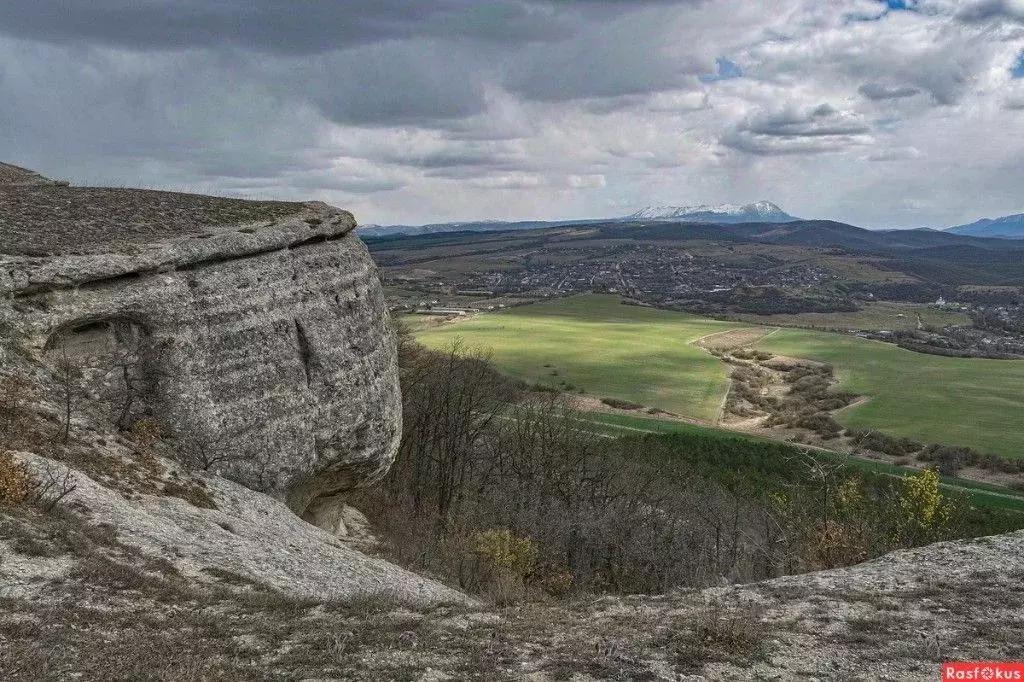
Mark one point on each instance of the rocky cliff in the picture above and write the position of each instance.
(254, 334)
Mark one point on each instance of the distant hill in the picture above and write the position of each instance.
(1007, 227)
(729, 214)
(933, 256)
(807, 233)
(471, 226)
(757, 212)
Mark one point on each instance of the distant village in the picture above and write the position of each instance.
(668, 278)
(678, 279)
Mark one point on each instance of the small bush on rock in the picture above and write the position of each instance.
(16, 482)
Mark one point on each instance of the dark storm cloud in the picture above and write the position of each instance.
(99, 117)
(295, 26)
(368, 62)
(394, 83)
(990, 10)
(469, 160)
(821, 129)
(878, 91)
(458, 160)
(630, 55)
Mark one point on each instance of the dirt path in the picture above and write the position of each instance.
(862, 400)
(585, 403)
(733, 338)
(726, 340)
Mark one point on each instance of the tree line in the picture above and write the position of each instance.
(506, 492)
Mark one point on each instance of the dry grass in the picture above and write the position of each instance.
(10, 174)
(43, 220)
(719, 633)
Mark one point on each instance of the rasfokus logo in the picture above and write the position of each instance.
(989, 671)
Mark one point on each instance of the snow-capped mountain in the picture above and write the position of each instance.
(757, 212)
(1011, 227)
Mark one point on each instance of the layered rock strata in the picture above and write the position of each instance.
(264, 347)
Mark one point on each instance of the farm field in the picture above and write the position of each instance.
(644, 355)
(594, 343)
(933, 399)
(874, 316)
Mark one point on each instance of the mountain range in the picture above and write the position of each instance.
(721, 214)
(1007, 227)
(761, 212)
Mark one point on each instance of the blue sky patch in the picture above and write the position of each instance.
(890, 6)
(727, 70)
(1018, 70)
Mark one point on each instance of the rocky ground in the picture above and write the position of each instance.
(230, 585)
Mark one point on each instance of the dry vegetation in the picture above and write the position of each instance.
(498, 490)
(798, 399)
(53, 219)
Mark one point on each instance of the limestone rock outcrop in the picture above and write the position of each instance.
(237, 530)
(255, 334)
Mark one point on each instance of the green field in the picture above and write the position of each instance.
(880, 315)
(957, 401)
(597, 344)
(645, 355)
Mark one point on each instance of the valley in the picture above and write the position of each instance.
(592, 344)
(667, 365)
(931, 292)
(923, 331)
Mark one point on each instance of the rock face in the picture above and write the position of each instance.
(241, 531)
(263, 346)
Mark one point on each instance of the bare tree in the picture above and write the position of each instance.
(450, 401)
(208, 451)
(17, 393)
(68, 374)
(138, 367)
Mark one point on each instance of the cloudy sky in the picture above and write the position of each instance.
(883, 114)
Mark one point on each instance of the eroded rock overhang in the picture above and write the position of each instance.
(270, 343)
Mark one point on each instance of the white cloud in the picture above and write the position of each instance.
(586, 181)
(508, 181)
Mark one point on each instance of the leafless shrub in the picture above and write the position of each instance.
(43, 488)
(719, 632)
(50, 486)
